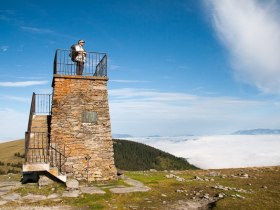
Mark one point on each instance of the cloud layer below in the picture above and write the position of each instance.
(250, 31)
(228, 151)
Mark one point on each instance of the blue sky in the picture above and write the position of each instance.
(175, 67)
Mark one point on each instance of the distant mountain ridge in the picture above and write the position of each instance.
(120, 135)
(259, 131)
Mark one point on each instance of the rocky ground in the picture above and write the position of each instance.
(247, 188)
(9, 199)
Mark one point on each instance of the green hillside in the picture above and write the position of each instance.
(133, 156)
(10, 160)
(129, 155)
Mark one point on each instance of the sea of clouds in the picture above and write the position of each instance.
(223, 151)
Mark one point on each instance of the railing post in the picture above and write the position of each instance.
(55, 63)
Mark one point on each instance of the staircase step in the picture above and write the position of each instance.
(54, 171)
(28, 167)
(62, 178)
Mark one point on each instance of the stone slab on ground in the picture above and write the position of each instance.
(136, 187)
(34, 197)
(92, 190)
(53, 196)
(130, 189)
(11, 197)
(71, 193)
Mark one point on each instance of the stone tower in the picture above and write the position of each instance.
(80, 122)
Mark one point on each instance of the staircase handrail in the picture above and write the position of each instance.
(61, 157)
(27, 134)
(51, 153)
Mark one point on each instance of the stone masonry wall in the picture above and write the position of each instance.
(81, 122)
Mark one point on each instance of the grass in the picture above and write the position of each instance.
(7, 155)
(8, 149)
(261, 190)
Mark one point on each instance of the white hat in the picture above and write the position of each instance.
(81, 41)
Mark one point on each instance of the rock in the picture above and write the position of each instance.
(206, 196)
(244, 176)
(179, 191)
(45, 181)
(214, 173)
(137, 187)
(180, 179)
(239, 196)
(34, 197)
(11, 197)
(72, 184)
(120, 172)
(130, 189)
(220, 195)
(170, 176)
(198, 178)
(92, 190)
(53, 196)
(153, 170)
(71, 193)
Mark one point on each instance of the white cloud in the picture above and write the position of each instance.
(114, 67)
(5, 15)
(127, 81)
(228, 151)
(13, 124)
(4, 48)
(37, 30)
(251, 32)
(23, 84)
(15, 98)
(148, 112)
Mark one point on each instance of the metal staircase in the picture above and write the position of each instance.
(40, 153)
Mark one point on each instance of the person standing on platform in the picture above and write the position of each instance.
(78, 55)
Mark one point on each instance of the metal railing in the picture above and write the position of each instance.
(36, 150)
(43, 104)
(32, 111)
(95, 64)
(40, 150)
(57, 156)
(40, 104)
